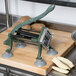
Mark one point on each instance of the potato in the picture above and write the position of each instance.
(66, 61)
(16, 23)
(24, 18)
(37, 26)
(27, 27)
(24, 27)
(60, 64)
(60, 70)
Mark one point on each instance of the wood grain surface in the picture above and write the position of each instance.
(24, 58)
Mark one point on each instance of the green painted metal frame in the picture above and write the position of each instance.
(10, 40)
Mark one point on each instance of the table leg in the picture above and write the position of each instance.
(7, 13)
(7, 72)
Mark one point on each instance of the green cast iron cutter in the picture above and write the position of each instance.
(31, 37)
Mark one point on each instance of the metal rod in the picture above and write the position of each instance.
(27, 34)
(7, 72)
(7, 13)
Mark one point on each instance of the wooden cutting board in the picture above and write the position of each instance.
(24, 58)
